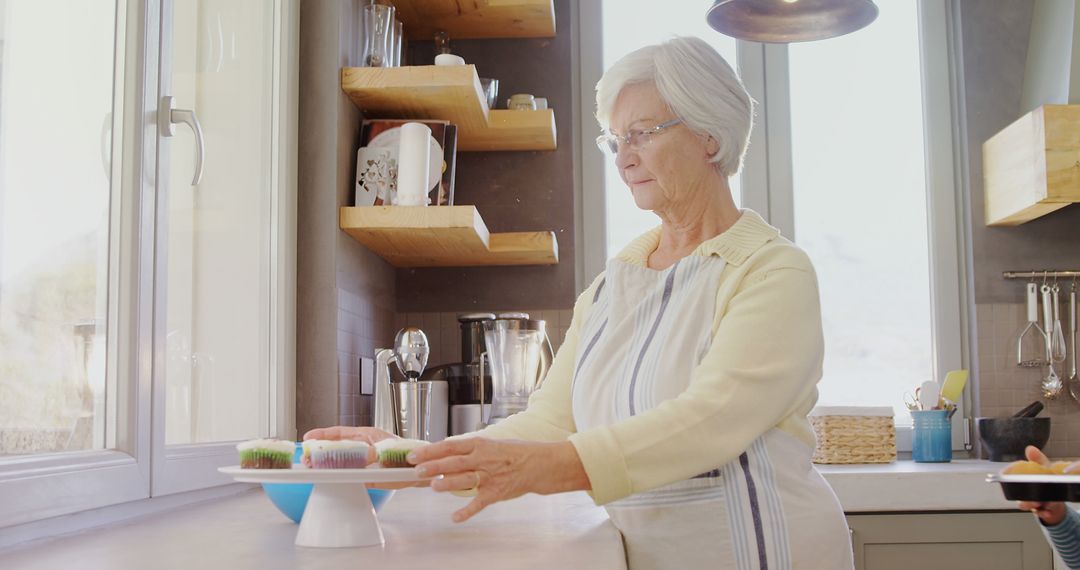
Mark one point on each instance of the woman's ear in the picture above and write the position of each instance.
(712, 146)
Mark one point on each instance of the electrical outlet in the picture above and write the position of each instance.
(367, 376)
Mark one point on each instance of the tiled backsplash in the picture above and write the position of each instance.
(364, 327)
(1004, 387)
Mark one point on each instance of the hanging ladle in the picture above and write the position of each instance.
(1052, 384)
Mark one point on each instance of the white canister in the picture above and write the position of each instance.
(414, 161)
(465, 418)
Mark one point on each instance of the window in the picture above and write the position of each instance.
(621, 35)
(144, 317)
(860, 204)
(852, 158)
(55, 196)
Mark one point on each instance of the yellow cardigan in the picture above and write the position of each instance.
(759, 373)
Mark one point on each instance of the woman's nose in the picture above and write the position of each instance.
(625, 157)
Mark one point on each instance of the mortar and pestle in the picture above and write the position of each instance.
(1004, 439)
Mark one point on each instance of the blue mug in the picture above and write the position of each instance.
(931, 438)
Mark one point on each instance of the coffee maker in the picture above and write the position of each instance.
(470, 381)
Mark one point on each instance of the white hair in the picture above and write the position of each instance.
(697, 85)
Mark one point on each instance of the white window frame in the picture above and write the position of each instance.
(182, 468)
(139, 467)
(767, 181)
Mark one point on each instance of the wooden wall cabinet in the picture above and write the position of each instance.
(1032, 167)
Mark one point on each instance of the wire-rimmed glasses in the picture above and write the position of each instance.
(635, 139)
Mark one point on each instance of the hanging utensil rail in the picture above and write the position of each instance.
(1048, 274)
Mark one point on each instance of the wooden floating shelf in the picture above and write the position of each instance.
(443, 236)
(450, 93)
(1032, 167)
(474, 19)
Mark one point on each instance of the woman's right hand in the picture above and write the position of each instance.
(369, 435)
(1050, 513)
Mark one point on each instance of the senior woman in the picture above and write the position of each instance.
(679, 397)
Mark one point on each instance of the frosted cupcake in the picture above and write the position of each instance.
(343, 454)
(308, 446)
(266, 454)
(392, 452)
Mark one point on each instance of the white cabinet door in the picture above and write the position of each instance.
(949, 541)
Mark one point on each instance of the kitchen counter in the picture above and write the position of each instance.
(909, 486)
(246, 531)
(530, 532)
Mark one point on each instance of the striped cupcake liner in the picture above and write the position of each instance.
(339, 458)
(265, 459)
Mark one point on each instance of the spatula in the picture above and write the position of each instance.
(953, 386)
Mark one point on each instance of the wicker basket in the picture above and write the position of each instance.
(854, 434)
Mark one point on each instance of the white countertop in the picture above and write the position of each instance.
(908, 486)
(530, 532)
(246, 531)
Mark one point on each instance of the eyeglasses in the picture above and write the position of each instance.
(635, 139)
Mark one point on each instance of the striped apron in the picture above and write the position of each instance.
(767, 509)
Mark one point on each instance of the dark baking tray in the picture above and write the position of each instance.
(1038, 487)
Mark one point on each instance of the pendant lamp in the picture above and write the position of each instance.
(787, 21)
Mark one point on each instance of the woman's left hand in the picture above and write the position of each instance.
(500, 470)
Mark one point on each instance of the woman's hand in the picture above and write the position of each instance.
(1049, 513)
(500, 470)
(369, 435)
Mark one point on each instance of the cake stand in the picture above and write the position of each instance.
(337, 515)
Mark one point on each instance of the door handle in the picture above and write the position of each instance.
(168, 117)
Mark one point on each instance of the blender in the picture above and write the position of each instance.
(518, 355)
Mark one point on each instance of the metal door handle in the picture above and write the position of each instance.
(168, 116)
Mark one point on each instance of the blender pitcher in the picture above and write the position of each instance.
(519, 356)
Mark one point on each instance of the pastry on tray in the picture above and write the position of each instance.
(266, 454)
(1033, 468)
(392, 452)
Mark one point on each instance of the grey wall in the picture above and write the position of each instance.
(995, 37)
(348, 298)
(514, 191)
(345, 294)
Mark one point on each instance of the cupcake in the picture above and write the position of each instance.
(343, 454)
(309, 444)
(266, 454)
(392, 452)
